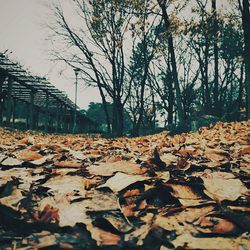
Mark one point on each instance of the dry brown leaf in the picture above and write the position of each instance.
(128, 210)
(169, 158)
(213, 243)
(13, 200)
(90, 183)
(26, 141)
(66, 184)
(182, 221)
(142, 205)
(108, 169)
(164, 176)
(116, 219)
(120, 181)
(213, 225)
(67, 214)
(245, 151)
(113, 159)
(27, 155)
(2, 157)
(223, 186)
(72, 206)
(43, 160)
(106, 238)
(187, 152)
(183, 164)
(78, 155)
(48, 215)
(139, 234)
(186, 195)
(216, 155)
(11, 162)
(45, 241)
(67, 164)
(132, 192)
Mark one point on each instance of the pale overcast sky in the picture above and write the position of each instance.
(22, 31)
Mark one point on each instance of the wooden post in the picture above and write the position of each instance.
(9, 92)
(14, 112)
(64, 118)
(36, 118)
(27, 115)
(32, 118)
(61, 118)
(47, 113)
(2, 78)
(72, 121)
(57, 116)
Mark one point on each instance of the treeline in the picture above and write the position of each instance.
(159, 61)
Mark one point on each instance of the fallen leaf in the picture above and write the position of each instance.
(67, 164)
(213, 225)
(120, 181)
(2, 157)
(164, 176)
(132, 192)
(48, 215)
(216, 155)
(108, 169)
(13, 200)
(42, 161)
(216, 243)
(78, 155)
(66, 184)
(11, 162)
(45, 241)
(27, 155)
(223, 186)
(26, 141)
(182, 221)
(186, 195)
(245, 151)
(115, 219)
(105, 238)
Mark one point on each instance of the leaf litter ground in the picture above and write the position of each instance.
(189, 191)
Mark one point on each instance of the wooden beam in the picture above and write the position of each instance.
(9, 92)
(2, 79)
(47, 113)
(32, 114)
(14, 111)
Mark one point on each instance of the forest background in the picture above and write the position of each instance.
(171, 64)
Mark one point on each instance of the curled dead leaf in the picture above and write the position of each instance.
(213, 225)
(245, 151)
(67, 164)
(120, 181)
(28, 155)
(48, 215)
(223, 186)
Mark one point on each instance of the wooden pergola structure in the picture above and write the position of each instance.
(46, 107)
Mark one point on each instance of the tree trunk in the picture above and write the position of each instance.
(216, 61)
(162, 5)
(170, 103)
(246, 28)
(240, 96)
(105, 108)
(206, 82)
(136, 129)
(118, 118)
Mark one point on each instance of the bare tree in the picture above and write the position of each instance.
(163, 6)
(244, 6)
